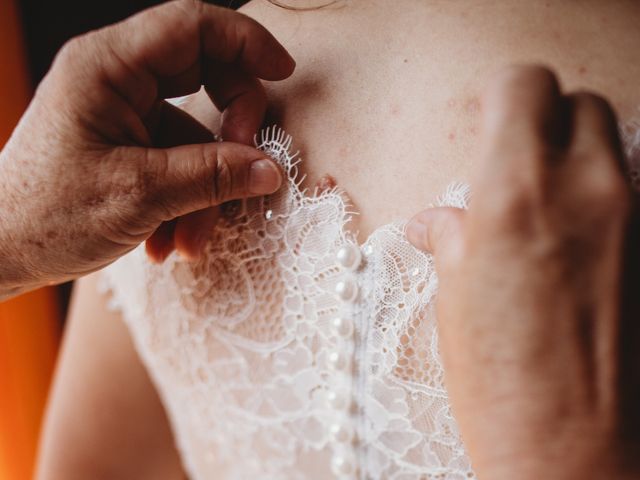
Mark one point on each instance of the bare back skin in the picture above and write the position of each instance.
(385, 99)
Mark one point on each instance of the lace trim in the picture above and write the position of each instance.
(238, 343)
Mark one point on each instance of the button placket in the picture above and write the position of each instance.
(342, 326)
(347, 289)
(337, 399)
(339, 360)
(343, 463)
(349, 257)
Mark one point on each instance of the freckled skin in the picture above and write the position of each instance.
(472, 105)
(86, 159)
(408, 154)
(37, 243)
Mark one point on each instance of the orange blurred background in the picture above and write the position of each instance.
(29, 325)
(31, 32)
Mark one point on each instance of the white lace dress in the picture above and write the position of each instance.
(291, 352)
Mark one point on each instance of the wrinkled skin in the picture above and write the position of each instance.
(80, 180)
(537, 317)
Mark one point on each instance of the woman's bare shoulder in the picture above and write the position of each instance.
(104, 418)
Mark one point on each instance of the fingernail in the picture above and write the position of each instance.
(415, 232)
(264, 177)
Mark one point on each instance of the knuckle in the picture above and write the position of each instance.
(509, 208)
(142, 186)
(191, 5)
(518, 169)
(186, 15)
(190, 9)
(223, 181)
(535, 158)
(69, 51)
(80, 55)
(73, 45)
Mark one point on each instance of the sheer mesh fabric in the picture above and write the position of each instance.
(242, 347)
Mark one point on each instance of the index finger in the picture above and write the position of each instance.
(522, 107)
(525, 125)
(165, 51)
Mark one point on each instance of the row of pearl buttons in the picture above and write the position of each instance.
(343, 462)
(349, 257)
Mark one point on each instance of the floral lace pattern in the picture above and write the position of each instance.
(243, 348)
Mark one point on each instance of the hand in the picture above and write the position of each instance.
(538, 323)
(81, 185)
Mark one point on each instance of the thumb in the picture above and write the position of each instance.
(184, 179)
(436, 230)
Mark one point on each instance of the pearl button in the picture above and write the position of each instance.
(336, 400)
(268, 214)
(349, 256)
(337, 360)
(342, 326)
(340, 433)
(347, 290)
(342, 465)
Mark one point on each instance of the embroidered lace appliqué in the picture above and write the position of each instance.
(243, 350)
